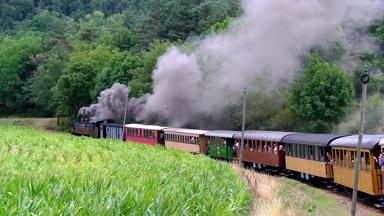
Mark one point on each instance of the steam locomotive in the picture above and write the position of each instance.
(322, 156)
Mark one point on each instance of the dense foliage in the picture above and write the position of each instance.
(322, 95)
(45, 173)
(56, 56)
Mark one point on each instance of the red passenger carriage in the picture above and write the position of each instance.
(147, 134)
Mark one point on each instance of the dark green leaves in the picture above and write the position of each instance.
(322, 96)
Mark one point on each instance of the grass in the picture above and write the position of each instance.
(280, 196)
(43, 123)
(44, 173)
(312, 200)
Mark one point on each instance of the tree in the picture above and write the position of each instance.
(141, 82)
(74, 88)
(16, 67)
(43, 82)
(322, 96)
(119, 69)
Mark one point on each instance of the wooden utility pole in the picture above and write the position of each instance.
(243, 128)
(364, 81)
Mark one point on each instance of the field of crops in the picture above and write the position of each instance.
(48, 173)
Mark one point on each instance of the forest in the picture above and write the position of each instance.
(58, 55)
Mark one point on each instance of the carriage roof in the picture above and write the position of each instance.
(368, 142)
(221, 133)
(145, 127)
(272, 136)
(310, 139)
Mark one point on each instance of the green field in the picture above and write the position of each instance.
(45, 173)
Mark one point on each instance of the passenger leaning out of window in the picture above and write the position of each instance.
(381, 159)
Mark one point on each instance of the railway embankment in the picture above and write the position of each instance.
(278, 196)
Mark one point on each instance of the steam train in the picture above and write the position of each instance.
(321, 156)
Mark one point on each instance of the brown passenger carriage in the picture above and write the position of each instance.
(262, 147)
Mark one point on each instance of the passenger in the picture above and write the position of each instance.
(381, 159)
(192, 140)
(311, 156)
(376, 162)
(328, 157)
(235, 149)
(281, 148)
(275, 149)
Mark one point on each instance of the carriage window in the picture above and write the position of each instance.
(300, 151)
(316, 153)
(352, 163)
(368, 162)
(311, 153)
(347, 158)
(362, 162)
(338, 157)
(303, 151)
(252, 145)
(288, 149)
(341, 155)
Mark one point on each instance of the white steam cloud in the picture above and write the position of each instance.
(266, 42)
